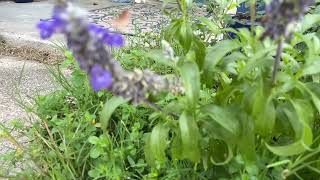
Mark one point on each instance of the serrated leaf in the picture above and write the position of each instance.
(190, 137)
(108, 108)
(191, 81)
(158, 142)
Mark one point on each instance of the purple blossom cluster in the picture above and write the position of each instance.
(87, 42)
(281, 14)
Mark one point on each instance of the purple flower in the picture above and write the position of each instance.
(283, 13)
(87, 44)
(47, 28)
(100, 78)
(113, 39)
(105, 36)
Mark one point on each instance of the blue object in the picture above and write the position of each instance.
(243, 11)
(244, 8)
(23, 1)
(237, 25)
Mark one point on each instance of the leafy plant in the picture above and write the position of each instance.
(238, 117)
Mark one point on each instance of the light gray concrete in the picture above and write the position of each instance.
(21, 18)
(20, 81)
(21, 77)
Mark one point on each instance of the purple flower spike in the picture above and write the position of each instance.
(100, 78)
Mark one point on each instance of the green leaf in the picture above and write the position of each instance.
(309, 21)
(265, 120)
(259, 60)
(313, 43)
(246, 142)
(149, 156)
(177, 148)
(217, 52)
(314, 90)
(218, 151)
(93, 139)
(312, 68)
(174, 107)
(294, 148)
(191, 81)
(189, 3)
(158, 56)
(94, 173)
(200, 49)
(263, 111)
(211, 25)
(303, 132)
(279, 163)
(172, 31)
(185, 36)
(96, 152)
(158, 142)
(109, 107)
(190, 137)
(304, 110)
(223, 117)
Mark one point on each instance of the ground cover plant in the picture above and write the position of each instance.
(212, 107)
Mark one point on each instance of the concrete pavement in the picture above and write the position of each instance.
(19, 35)
(21, 77)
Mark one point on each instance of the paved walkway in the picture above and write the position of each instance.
(19, 80)
(21, 18)
(19, 35)
(21, 77)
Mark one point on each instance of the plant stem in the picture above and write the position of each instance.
(252, 14)
(277, 61)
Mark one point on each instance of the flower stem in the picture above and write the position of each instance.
(252, 14)
(277, 61)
